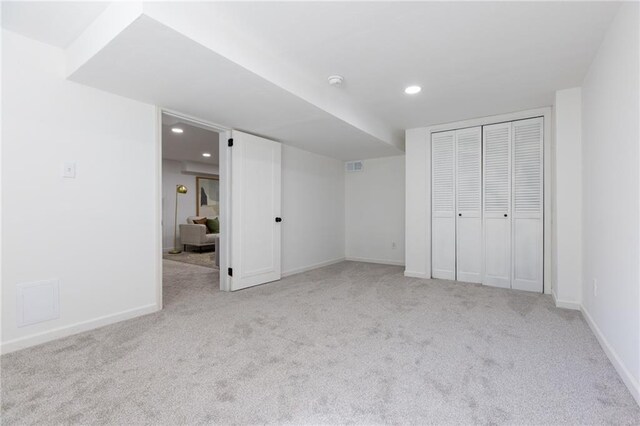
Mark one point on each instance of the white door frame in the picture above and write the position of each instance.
(544, 112)
(225, 195)
(225, 209)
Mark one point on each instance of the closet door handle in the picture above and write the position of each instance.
(505, 215)
(459, 214)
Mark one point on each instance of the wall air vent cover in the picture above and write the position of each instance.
(354, 166)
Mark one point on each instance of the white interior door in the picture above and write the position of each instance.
(443, 222)
(255, 204)
(527, 219)
(497, 205)
(469, 204)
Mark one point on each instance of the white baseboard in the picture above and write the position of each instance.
(378, 261)
(68, 330)
(627, 378)
(412, 274)
(311, 267)
(565, 304)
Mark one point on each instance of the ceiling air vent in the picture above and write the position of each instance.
(354, 166)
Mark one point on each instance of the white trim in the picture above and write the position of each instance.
(565, 304)
(198, 122)
(378, 261)
(625, 375)
(544, 112)
(412, 274)
(225, 153)
(311, 267)
(68, 330)
(492, 119)
(158, 206)
(548, 176)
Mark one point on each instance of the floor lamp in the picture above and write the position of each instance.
(180, 189)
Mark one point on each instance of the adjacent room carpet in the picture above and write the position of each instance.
(349, 343)
(206, 259)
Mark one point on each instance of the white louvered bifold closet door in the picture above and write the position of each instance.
(443, 222)
(497, 205)
(469, 205)
(527, 218)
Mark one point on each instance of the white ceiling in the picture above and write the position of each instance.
(189, 145)
(57, 23)
(472, 59)
(151, 62)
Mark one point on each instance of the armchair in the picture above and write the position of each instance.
(192, 234)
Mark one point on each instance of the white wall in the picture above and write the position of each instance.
(417, 204)
(171, 176)
(313, 210)
(567, 286)
(610, 200)
(96, 233)
(375, 205)
(196, 168)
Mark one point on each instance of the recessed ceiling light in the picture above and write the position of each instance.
(177, 130)
(412, 90)
(206, 154)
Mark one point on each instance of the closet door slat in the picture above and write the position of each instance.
(443, 225)
(469, 205)
(497, 205)
(528, 206)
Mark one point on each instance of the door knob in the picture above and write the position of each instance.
(505, 215)
(278, 219)
(459, 214)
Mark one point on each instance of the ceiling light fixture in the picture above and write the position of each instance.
(335, 80)
(177, 130)
(206, 154)
(412, 90)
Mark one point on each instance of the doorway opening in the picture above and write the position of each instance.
(203, 164)
(191, 194)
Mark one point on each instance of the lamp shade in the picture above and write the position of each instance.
(181, 189)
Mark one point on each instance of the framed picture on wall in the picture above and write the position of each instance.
(207, 196)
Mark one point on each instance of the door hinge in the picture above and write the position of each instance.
(230, 142)
(230, 272)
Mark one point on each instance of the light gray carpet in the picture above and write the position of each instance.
(206, 259)
(349, 343)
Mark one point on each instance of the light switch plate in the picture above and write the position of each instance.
(69, 170)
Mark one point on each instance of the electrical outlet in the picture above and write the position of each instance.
(595, 287)
(69, 170)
